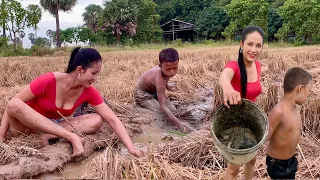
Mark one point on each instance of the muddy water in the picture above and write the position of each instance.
(238, 138)
(74, 170)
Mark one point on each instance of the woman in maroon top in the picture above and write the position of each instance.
(38, 106)
(241, 79)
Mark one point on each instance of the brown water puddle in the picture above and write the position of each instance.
(72, 170)
(155, 135)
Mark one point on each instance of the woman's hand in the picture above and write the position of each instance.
(2, 138)
(232, 96)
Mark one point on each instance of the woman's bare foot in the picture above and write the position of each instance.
(77, 145)
(46, 137)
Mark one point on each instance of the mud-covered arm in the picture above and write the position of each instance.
(274, 118)
(107, 114)
(161, 88)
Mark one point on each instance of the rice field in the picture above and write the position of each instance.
(197, 68)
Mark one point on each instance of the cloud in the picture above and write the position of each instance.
(67, 19)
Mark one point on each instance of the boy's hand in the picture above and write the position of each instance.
(171, 86)
(232, 96)
(185, 127)
(136, 153)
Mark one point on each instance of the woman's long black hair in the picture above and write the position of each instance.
(243, 72)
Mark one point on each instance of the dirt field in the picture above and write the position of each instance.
(198, 69)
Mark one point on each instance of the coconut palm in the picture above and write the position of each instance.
(54, 6)
(22, 34)
(31, 37)
(91, 16)
(33, 17)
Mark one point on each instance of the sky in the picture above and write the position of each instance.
(68, 19)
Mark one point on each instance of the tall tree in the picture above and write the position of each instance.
(87, 35)
(18, 41)
(188, 10)
(241, 13)
(167, 11)
(67, 35)
(274, 23)
(76, 34)
(22, 34)
(301, 17)
(211, 22)
(33, 17)
(54, 6)
(3, 17)
(16, 19)
(148, 28)
(31, 37)
(42, 42)
(118, 14)
(91, 16)
(52, 36)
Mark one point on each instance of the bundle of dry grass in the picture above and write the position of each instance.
(27, 140)
(111, 165)
(7, 154)
(196, 150)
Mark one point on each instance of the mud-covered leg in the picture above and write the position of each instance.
(86, 124)
(20, 113)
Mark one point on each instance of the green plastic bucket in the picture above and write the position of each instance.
(240, 131)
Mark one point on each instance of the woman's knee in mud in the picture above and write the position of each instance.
(14, 106)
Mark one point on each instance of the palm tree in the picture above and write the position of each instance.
(51, 34)
(54, 6)
(33, 17)
(4, 16)
(91, 16)
(117, 14)
(22, 34)
(31, 37)
(18, 41)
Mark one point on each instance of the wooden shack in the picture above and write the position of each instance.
(176, 29)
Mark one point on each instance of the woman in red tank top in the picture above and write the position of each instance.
(241, 79)
(49, 95)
